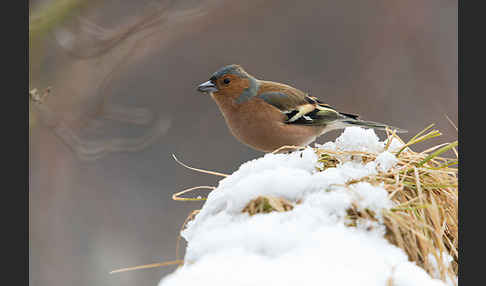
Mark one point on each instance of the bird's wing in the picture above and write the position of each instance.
(299, 107)
(282, 96)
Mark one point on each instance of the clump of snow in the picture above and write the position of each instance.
(386, 161)
(370, 197)
(394, 145)
(359, 139)
(308, 245)
(356, 139)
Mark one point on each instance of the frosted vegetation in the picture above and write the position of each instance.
(311, 244)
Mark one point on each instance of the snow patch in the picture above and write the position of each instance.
(309, 245)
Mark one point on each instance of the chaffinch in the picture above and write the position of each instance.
(268, 115)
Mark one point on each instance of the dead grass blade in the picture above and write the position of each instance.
(199, 170)
(153, 265)
(176, 197)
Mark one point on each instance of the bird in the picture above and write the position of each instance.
(267, 115)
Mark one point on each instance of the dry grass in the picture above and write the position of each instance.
(423, 186)
(267, 204)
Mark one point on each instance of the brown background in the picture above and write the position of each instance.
(124, 76)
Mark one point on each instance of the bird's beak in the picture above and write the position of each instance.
(207, 87)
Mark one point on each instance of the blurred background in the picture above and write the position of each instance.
(123, 74)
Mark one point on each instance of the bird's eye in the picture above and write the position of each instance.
(226, 80)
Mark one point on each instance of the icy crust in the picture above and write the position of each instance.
(310, 244)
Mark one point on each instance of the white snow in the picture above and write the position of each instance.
(386, 161)
(309, 245)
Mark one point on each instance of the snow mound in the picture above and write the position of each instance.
(309, 245)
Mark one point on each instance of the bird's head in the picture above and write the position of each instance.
(229, 81)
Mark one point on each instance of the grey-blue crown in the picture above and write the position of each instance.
(230, 69)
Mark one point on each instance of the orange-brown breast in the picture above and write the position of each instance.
(261, 125)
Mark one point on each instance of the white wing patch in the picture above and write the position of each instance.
(302, 110)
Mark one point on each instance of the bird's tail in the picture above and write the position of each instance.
(370, 124)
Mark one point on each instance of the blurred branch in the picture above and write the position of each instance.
(36, 97)
(45, 18)
(50, 15)
(92, 40)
